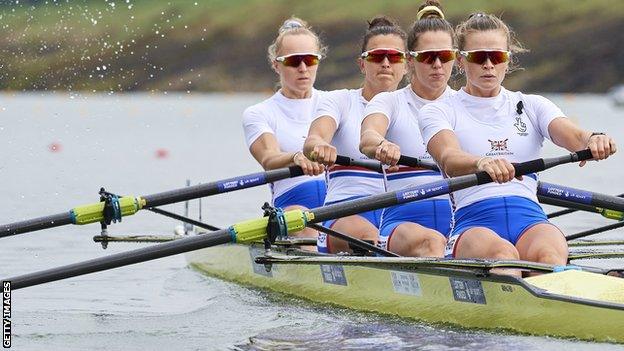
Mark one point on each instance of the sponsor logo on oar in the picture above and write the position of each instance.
(242, 182)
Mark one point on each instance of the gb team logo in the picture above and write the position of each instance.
(498, 147)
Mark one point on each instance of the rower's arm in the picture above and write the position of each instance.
(317, 145)
(446, 150)
(566, 134)
(373, 133)
(267, 152)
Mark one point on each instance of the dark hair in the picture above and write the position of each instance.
(479, 22)
(430, 18)
(382, 25)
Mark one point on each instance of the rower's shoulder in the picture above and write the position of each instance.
(524, 96)
(339, 94)
(262, 108)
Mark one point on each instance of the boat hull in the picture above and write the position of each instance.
(463, 297)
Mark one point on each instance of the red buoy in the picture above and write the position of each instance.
(162, 153)
(55, 147)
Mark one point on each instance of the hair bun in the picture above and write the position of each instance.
(381, 21)
(429, 11)
(291, 23)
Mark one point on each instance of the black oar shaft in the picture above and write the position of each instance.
(378, 167)
(417, 163)
(183, 219)
(595, 231)
(31, 225)
(583, 197)
(372, 165)
(164, 198)
(122, 259)
(572, 206)
(357, 242)
(222, 186)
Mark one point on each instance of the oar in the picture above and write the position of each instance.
(129, 205)
(417, 163)
(595, 231)
(572, 206)
(256, 229)
(607, 205)
(376, 166)
(372, 165)
(596, 243)
(595, 255)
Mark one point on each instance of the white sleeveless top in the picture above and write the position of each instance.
(288, 120)
(493, 127)
(346, 108)
(401, 108)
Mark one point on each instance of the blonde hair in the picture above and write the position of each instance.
(293, 26)
(481, 22)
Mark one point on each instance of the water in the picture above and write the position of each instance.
(142, 144)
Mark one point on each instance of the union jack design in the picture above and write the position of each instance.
(498, 145)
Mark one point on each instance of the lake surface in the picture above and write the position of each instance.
(57, 150)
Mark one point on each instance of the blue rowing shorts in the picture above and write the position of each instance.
(374, 217)
(310, 194)
(507, 216)
(433, 214)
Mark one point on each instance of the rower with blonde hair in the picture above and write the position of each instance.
(485, 127)
(276, 128)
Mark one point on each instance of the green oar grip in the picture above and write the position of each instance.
(93, 213)
(256, 229)
(612, 214)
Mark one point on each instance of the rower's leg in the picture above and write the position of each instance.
(411, 239)
(543, 243)
(355, 226)
(481, 242)
(305, 233)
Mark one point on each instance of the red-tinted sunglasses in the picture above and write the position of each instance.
(480, 56)
(429, 56)
(294, 60)
(378, 55)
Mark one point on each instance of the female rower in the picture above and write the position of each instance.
(391, 128)
(336, 130)
(485, 127)
(276, 128)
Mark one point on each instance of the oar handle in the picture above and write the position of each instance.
(368, 164)
(417, 163)
(377, 166)
(541, 164)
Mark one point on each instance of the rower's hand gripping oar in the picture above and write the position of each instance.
(129, 205)
(256, 230)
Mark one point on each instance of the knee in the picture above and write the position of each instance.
(432, 245)
(503, 252)
(550, 256)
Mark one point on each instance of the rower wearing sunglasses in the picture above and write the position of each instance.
(336, 130)
(276, 128)
(485, 127)
(390, 128)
